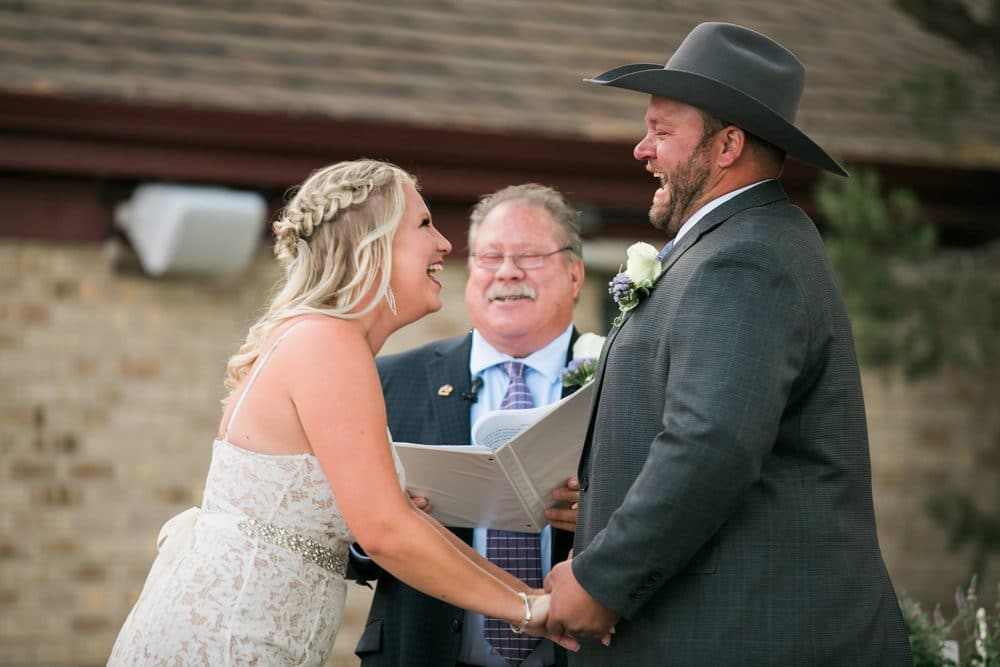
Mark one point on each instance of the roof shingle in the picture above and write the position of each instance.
(490, 64)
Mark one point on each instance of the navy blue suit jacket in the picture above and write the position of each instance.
(406, 627)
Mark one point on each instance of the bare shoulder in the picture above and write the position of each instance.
(319, 346)
(329, 371)
(321, 337)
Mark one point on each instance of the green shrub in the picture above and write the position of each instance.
(973, 628)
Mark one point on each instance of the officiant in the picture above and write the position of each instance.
(525, 272)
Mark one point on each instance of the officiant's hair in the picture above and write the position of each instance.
(334, 241)
(551, 200)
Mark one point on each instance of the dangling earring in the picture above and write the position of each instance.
(390, 298)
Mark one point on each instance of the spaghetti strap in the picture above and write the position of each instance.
(261, 361)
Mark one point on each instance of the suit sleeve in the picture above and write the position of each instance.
(360, 568)
(736, 345)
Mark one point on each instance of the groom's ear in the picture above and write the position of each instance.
(732, 146)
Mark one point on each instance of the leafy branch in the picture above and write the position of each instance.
(966, 524)
(910, 306)
(975, 629)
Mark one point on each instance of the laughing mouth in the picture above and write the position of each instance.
(521, 293)
(435, 269)
(513, 297)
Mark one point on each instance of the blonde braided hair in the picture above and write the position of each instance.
(334, 242)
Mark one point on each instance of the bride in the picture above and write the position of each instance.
(303, 464)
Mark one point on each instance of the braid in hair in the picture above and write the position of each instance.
(334, 242)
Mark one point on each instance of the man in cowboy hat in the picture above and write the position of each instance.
(726, 505)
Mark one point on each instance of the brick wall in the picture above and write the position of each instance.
(928, 438)
(109, 399)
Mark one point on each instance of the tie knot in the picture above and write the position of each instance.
(666, 249)
(513, 369)
(518, 395)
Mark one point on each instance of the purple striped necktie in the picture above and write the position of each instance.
(518, 553)
(666, 249)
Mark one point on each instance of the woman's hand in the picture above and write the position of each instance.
(539, 615)
(539, 602)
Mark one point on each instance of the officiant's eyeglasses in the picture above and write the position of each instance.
(492, 261)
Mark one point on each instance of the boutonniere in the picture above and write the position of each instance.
(581, 369)
(629, 286)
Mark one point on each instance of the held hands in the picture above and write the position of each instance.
(539, 605)
(572, 611)
(563, 515)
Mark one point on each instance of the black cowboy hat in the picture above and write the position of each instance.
(738, 75)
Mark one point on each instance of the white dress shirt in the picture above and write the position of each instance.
(542, 372)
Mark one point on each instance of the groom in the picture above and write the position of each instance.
(726, 506)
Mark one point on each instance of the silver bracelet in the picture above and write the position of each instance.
(527, 616)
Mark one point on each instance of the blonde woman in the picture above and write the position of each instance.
(303, 465)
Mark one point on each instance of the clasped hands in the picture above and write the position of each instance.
(542, 624)
(572, 612)
(539, 602)
(564, 612)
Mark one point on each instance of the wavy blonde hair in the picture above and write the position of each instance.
(334, 241)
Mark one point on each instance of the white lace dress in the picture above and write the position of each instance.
(255, 576)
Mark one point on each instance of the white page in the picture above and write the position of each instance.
(468, 487)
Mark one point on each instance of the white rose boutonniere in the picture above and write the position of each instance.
(581, 369)
(629, 286)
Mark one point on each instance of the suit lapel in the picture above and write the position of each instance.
(451, 366)
(562, 540)
(566, 391)
(765, 193)
(451, 412)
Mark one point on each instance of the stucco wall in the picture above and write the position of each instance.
(109, 399)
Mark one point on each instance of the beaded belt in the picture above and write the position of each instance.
(306, 547)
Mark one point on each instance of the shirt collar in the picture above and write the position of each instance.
(550, 360)
(710, 206)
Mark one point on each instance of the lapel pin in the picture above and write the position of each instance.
(445, 390)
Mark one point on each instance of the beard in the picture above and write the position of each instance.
(687, 184)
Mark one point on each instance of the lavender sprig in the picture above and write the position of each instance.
(626, 294)
(620, 288)
(579, 372)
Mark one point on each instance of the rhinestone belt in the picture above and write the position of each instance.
(306, 547)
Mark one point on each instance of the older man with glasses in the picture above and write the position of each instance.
(525, 272)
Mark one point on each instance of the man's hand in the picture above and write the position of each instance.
(421, 503)
(572, 611)
(563, 515)
(539, 602)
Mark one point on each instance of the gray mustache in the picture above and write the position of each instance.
(506, 291)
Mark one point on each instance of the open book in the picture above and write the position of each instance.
(506, 478)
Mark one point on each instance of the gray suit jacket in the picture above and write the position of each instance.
(406, 627)
(726, 512)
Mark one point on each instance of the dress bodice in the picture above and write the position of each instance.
(290, 491)
(253, 576)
